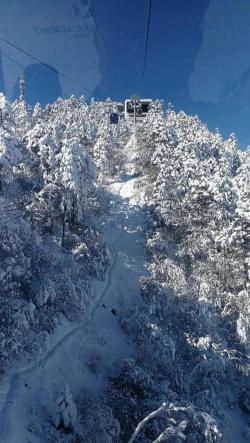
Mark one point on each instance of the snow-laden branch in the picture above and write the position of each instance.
(145, 420)
(174, 431)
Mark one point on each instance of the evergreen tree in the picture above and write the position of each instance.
(66, 418)
(10, 152)
(21, 112)
(105, 151)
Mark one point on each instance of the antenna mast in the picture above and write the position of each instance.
(22, 85)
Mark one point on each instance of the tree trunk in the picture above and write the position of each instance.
(64, 223)
(73, 212)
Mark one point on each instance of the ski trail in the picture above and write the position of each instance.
(96, 306)
(100, 333)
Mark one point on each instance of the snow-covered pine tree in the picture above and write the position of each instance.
(10, 150)
(105, 151)
(66, 416)
(21, 112)
(37, 114)
(75, 177)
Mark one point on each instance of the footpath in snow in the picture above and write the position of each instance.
(84, 357)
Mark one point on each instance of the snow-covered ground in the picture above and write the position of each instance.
(85, 356)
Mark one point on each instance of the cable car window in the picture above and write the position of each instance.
(114, 118)
(130, 108)
(145, 107)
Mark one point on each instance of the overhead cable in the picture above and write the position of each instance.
(51, 68)
(147, 37)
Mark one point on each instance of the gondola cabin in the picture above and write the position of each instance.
(117, 113)
(114, 118)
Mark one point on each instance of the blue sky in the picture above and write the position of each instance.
(198, 54)
(174, 40)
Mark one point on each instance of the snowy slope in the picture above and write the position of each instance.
(28, 395)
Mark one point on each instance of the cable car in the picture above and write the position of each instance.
(137, 108)
(114, 118)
